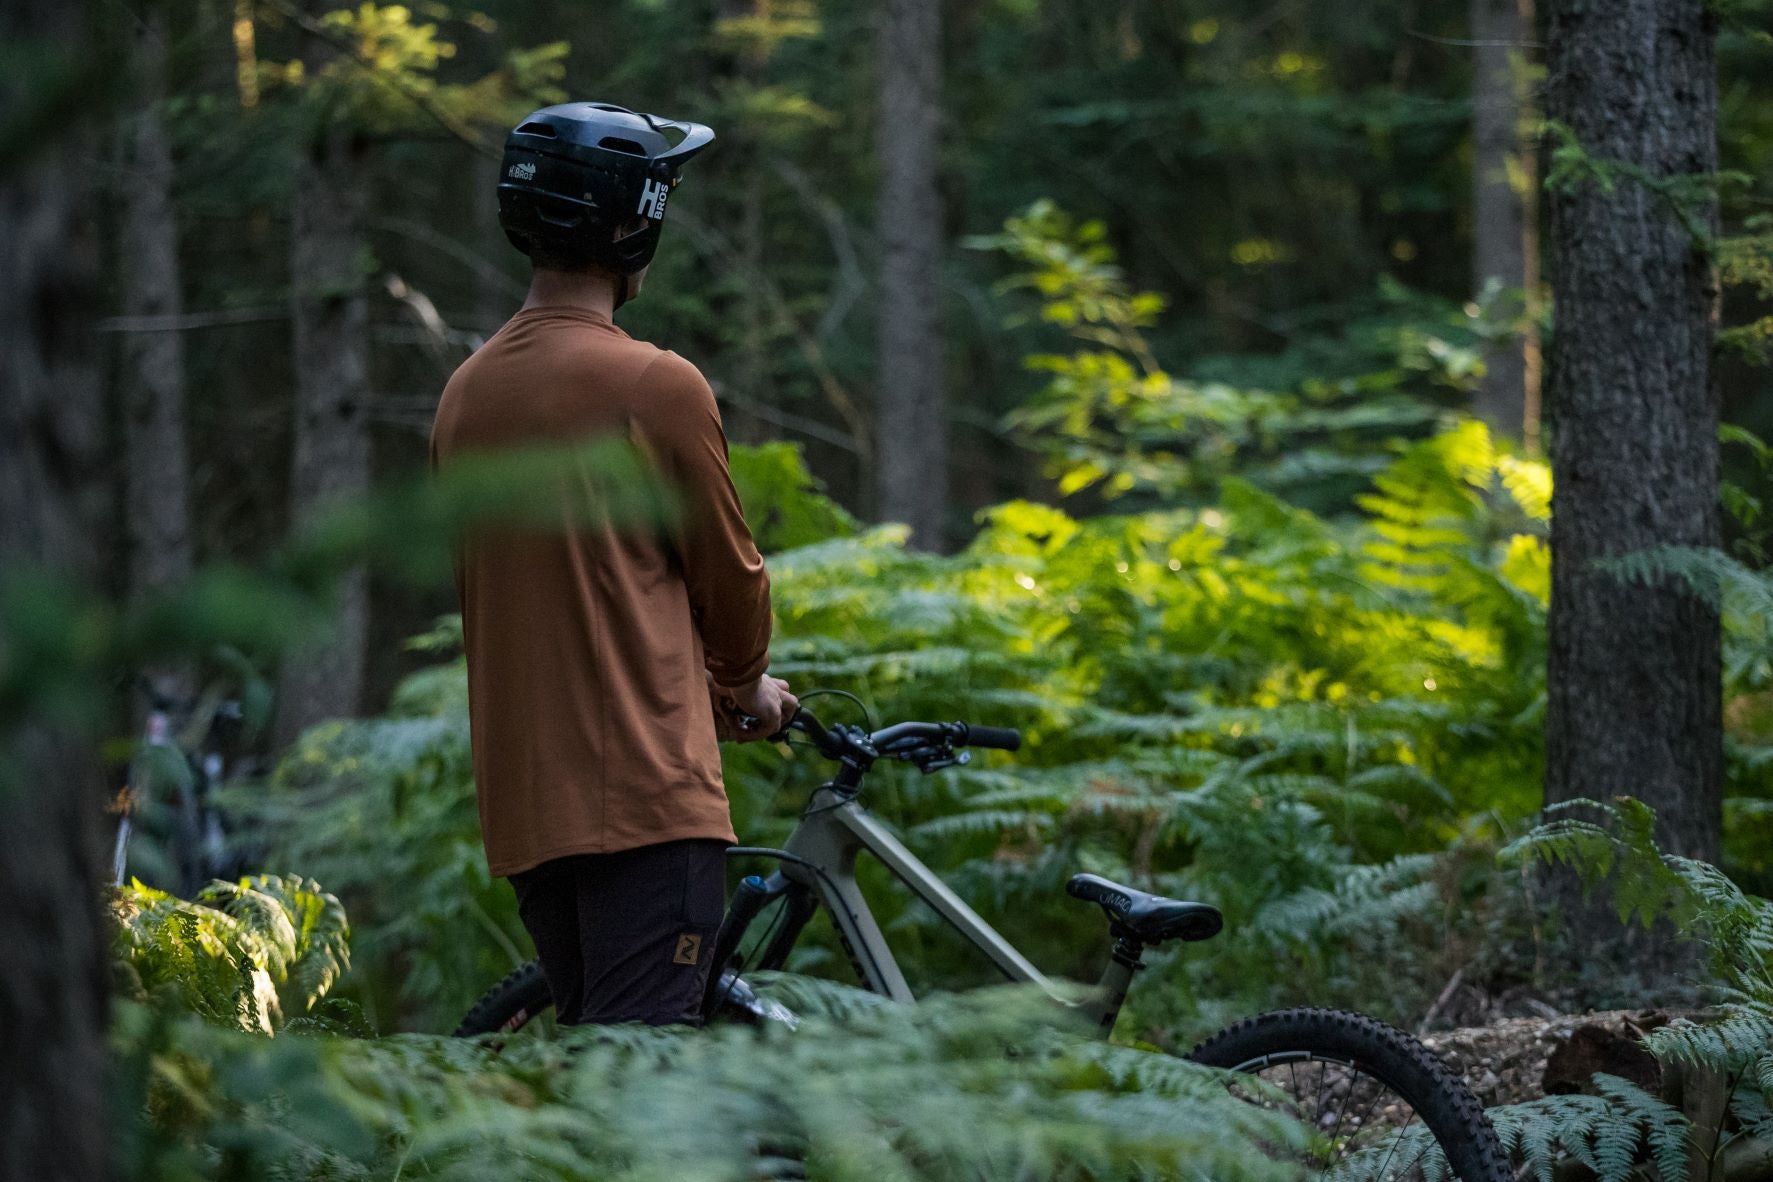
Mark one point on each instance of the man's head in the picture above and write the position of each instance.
(583, 187)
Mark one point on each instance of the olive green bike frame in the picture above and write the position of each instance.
(835, 828)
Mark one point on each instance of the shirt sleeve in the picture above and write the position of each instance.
(729, 590)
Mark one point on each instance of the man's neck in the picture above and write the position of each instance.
(592, 291)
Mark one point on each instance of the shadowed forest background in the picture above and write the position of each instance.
(1332, 434)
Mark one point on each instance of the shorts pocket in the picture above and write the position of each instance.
(702, 875)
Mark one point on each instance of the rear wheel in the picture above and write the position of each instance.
(510, 1005)
(1380, 1104)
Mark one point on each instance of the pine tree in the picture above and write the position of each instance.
(157, 512)
(330, 312)
(1634, 677)
(912, 451)
(53, 975)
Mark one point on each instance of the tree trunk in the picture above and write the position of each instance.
(1505, 232)
(912, 449)
(157, 503)
(493, 304)
(1634, 681)
(332, 445)
(53, 972)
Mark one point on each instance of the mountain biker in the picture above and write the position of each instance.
(604, 665)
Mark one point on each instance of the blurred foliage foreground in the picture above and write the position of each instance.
(988, 1084)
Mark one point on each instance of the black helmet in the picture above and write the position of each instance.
(575, 174)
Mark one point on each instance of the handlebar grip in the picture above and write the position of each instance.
(1001, 738)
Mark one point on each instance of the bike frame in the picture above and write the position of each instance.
(821, 861)
(157, 732)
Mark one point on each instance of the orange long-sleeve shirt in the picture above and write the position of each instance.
(587, 698)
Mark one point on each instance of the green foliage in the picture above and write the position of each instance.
(1111, 417)
(384, 812)
(1690, 197)
(1746, 260)
(978, 1086)
(249, 955)
(1614, 843)
(784, 504)
(60, 643)
(1610, 1133)
(410, 529)
(1743, 594)
(380, 70)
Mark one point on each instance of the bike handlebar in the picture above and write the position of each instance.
(902, 735)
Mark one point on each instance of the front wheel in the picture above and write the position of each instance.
(1380, 1105)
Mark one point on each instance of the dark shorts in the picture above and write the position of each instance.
(626, 937)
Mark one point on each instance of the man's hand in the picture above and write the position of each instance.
(767, 699)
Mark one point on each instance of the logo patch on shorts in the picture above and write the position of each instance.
(689, 949)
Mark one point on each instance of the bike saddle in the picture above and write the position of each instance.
(1150, 918)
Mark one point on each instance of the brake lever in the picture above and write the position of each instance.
(750, 722)
(939, 758)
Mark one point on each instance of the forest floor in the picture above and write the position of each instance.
(1514, 1059)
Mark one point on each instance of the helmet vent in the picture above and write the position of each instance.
(541, 129)
(617, 144)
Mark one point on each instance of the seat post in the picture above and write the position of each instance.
(1129, 949)
(1126, 958)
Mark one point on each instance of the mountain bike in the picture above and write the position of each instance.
(1379, 1103)
(174, 775)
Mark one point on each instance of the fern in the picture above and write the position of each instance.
(1610, 1133)
(303, 931)
(248, 954)
(1109, 417)
(1623, 1126)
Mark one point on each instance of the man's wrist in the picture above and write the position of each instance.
(746, 686)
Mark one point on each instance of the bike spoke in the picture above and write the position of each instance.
(1395, 1142)
(1367, 1116)
(1348, 1086)
(1317, 1103)
(1343, 1150)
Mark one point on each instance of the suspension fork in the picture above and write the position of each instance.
(801, 904)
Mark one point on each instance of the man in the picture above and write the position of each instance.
(594, 655)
